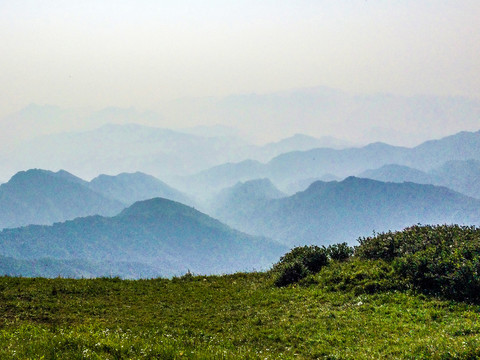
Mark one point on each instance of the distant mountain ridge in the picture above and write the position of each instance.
(331, 212)
(163, 235)
(316, 111)
(43, 197)
(124, 148)
(459, 175)
(297, 142)
(296, 166)
(398, 173)
(129, 147)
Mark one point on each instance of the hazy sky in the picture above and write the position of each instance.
(141, 52)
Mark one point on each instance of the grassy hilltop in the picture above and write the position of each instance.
(372, 305)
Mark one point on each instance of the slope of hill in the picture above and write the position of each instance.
(132, 187)
(431, 154)
(318, 162)
(164, 235)
(461, 146)
(44, 197)
(297, 166)
(258, 189)
(461, 176)
(341, 211)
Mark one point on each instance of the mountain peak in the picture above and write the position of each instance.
(41, 174)
(156, 207)
(29, 175)
(39, 196)
(257, 188)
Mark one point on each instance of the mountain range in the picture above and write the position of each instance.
(163, 236)
(459, 175)
(164, 153)
(332, 212)
(296, 166)
(135, 225)
(44, 197)
(113, 149)
(317, 111)
(89, 143)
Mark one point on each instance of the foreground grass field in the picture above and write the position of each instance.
(332, 315)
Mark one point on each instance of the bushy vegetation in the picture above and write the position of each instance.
(441, 260)
(339, 252)
(302, 261)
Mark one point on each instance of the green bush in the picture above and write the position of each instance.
(441, 271)
(312, 257)
(390, 245)
(339, 252)
(441, 260)
(291, 273)
(298, 263)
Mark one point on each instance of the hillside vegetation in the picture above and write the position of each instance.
(361, 307)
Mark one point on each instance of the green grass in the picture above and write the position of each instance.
(351, 310)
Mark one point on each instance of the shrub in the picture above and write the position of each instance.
(312, 257)
(298, 263)
(441, 260)
(390, 245)
(291, 273)
(339, 252)
(447, 272)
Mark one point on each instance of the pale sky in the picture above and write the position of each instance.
(94, 53)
